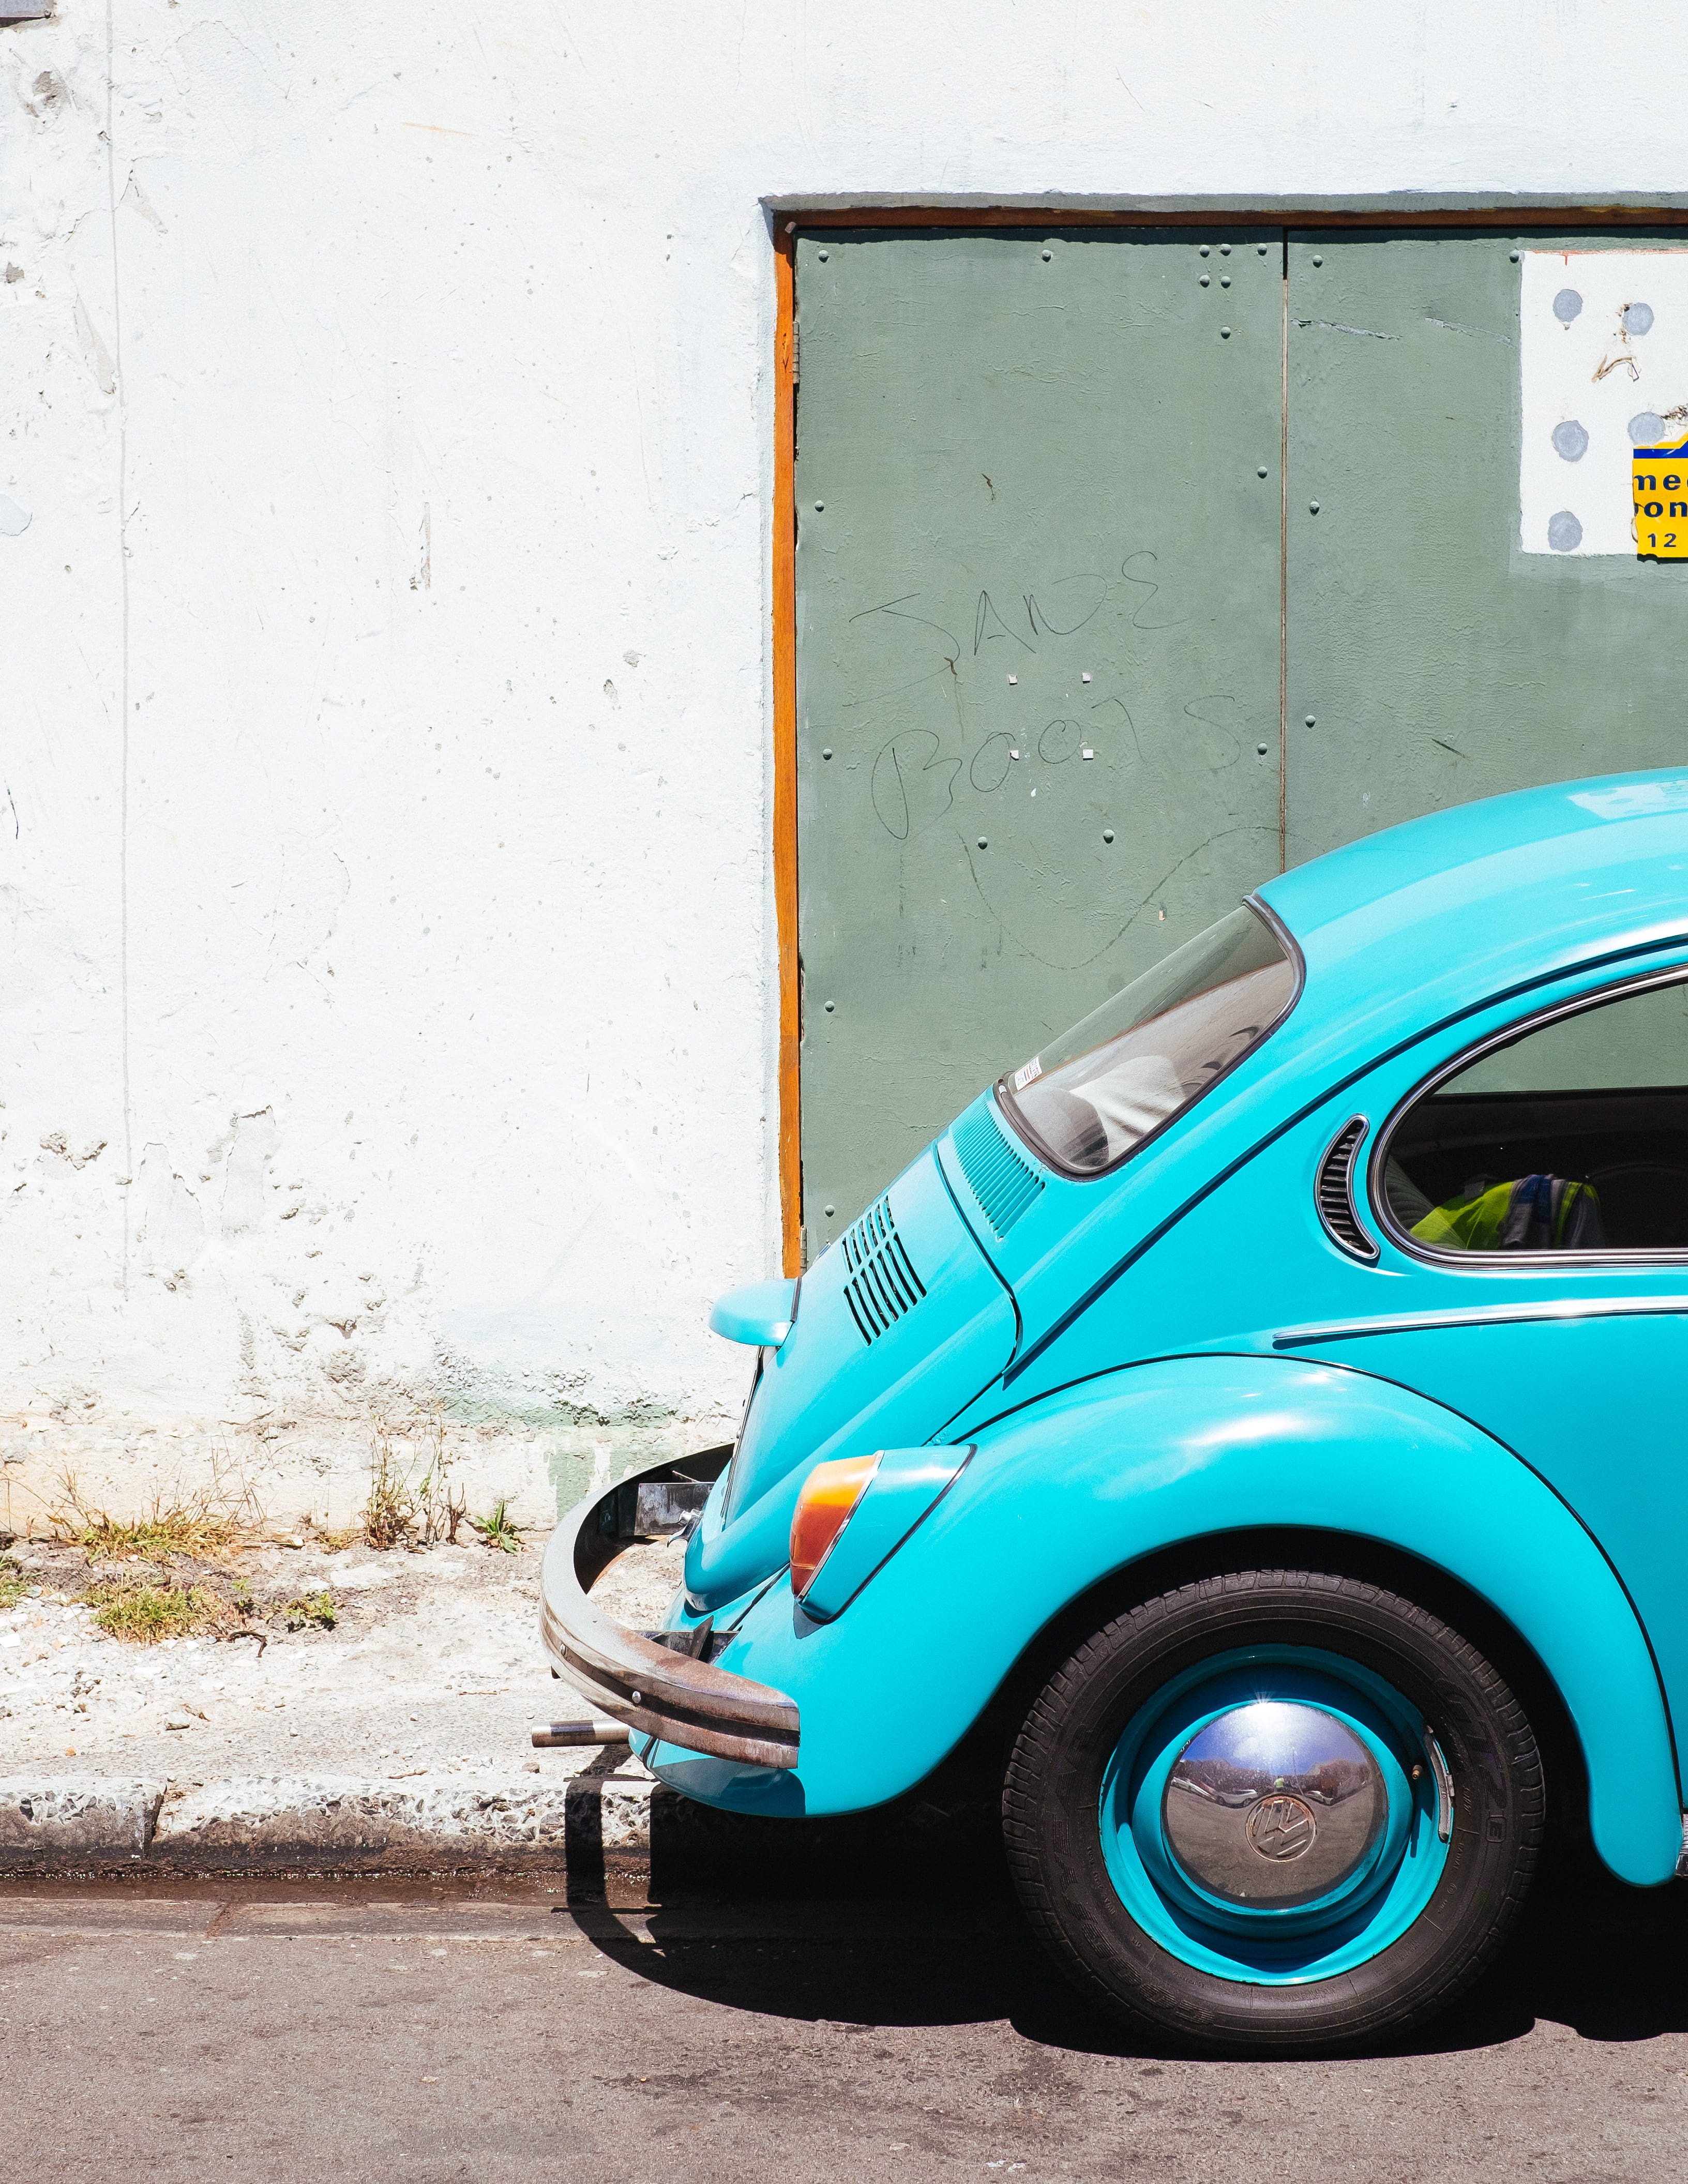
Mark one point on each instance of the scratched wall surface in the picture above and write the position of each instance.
(388, 1016)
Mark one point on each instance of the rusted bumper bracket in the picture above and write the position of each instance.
(640, 1679)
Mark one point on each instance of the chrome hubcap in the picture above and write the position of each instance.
(1273, 1804)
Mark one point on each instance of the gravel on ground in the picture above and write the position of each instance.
(432, 1666)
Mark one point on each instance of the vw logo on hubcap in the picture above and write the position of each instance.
(1280, 1827)
(1273, 1804)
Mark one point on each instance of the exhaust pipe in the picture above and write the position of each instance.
(593, 1729)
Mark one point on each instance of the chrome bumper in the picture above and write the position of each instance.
(629, 1674)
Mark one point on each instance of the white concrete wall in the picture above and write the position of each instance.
(384, 722)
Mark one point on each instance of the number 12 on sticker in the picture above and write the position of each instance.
(1659, 479)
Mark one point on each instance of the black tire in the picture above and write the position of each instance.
(1054, 1839)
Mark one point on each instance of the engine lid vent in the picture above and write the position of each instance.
(881, 1284)
(1334, 1193)
(1004, 1184)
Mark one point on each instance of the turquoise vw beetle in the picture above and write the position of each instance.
(1264, 1405)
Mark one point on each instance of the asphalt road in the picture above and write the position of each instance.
(300, 2031)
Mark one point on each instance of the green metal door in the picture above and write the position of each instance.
(1043, 610)
(1438, 650)
(1038, 610)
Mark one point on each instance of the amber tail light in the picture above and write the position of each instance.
(830, 1494)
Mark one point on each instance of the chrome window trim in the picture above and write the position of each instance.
(1298, 964)
(1491, 1263)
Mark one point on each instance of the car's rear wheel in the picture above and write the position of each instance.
(1274, 1810)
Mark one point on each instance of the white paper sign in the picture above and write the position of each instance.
(1603, 362)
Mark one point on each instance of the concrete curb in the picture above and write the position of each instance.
(69, 1820)
(617, 1840)
(266, 1824)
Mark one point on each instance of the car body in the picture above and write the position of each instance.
(1252, 1337)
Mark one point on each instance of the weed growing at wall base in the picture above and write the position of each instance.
(404, 1510)
(497, 1530)
(213, 1521)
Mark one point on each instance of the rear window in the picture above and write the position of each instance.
(1092, 1098)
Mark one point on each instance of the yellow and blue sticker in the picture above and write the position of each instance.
(1659, 476)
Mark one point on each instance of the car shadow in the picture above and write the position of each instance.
(868, 1922)
(1589, 1953)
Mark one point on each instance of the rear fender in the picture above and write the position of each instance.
(1086, 1482)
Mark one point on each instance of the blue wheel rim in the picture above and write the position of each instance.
(1371, 1907)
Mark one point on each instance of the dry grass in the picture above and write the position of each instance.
(406, 1510)
(143, 1614)
(14, 1584)
(391, 1507)
(210, 1524)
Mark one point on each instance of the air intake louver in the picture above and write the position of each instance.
(1334, 1193)
(882, 1284)
(1004, 1184)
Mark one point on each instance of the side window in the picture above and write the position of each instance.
(1571, 1137)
